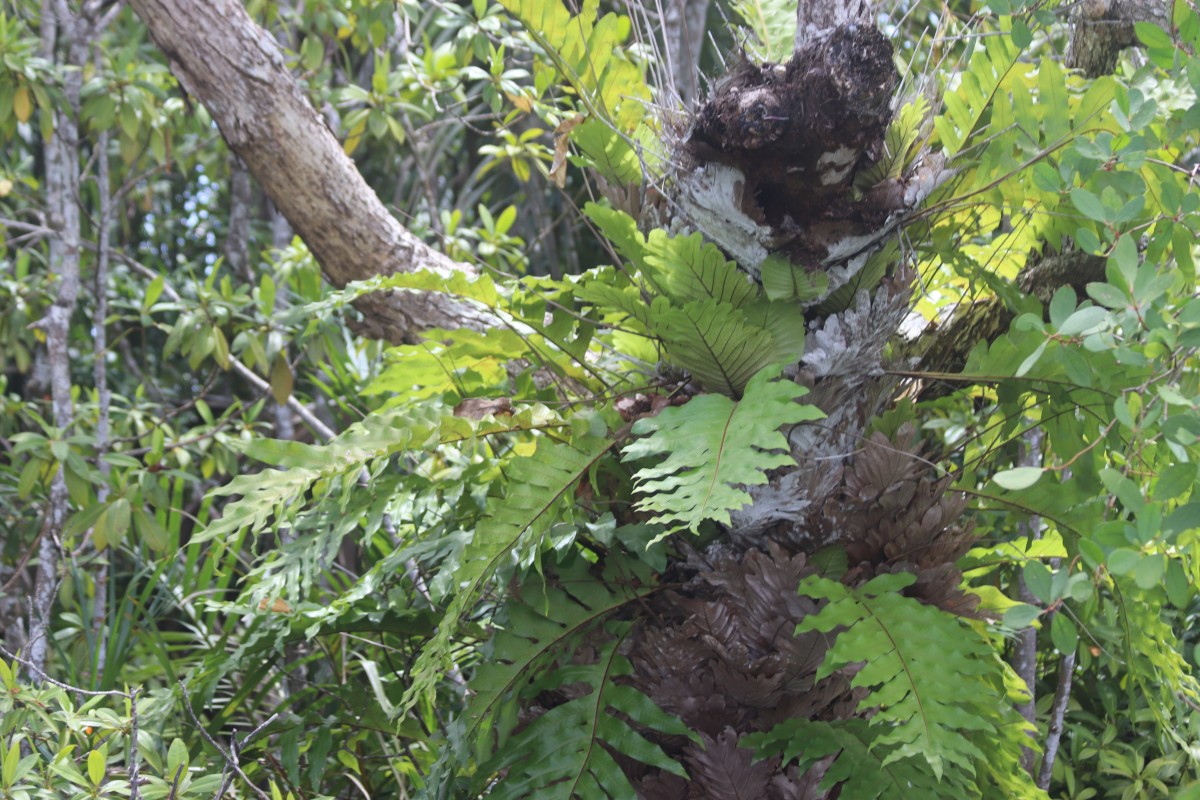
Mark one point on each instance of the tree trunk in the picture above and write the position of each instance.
(237, 70)
(1101, 29)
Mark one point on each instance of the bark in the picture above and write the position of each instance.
(103, 393)
(60, 29)
(1024, 659)
(1058, 711)
(684, 26)
(237, 243)
(238, 71)
(818, 18)
(1101, 29)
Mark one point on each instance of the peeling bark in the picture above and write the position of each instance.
(237, 70)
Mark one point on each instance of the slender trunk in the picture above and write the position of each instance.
(103, 394)
(237, 243)
(1024, 659)
(60, 30)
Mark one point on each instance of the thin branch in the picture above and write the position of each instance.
(230, 760)
(1058, 710)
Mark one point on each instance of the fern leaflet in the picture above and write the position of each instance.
(713, 446)
(538, 497)
(937, 686)
(560, 754)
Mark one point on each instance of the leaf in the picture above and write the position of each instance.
(936, 685)
(1089, 204)
(281, 379)
(539, 495)
(713, 341)
(783, 280)
(565, 752)
(860, 769)
(707, 450)
(1018, 478)
(95, 765)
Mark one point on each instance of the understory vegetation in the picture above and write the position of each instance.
(809, 411)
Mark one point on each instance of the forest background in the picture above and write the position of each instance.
(680, 400)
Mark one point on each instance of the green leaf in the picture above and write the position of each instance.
(564, 753)
(936, 685)
(538, 496)
(1063, 633)
(708, 449)
(95, 765)
(1038, 580)
(1018, 478)
(860, 769)
(1089, 204)
(783, 280)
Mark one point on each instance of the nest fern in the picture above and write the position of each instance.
(712, 447)
(938, 689)
(711, 318)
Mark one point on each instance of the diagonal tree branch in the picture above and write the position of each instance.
(238, 71)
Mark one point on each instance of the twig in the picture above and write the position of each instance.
(1054, 731)
(230, 759)
(134, 778)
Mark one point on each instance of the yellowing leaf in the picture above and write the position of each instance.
(281, 380)
(22, 103)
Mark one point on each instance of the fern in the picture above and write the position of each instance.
(711, 318)
(539, 496)
(565, 753)
(783, 280)
(714, 342)
(902, 134)
(773, 24)
(587, 52)
(277, 495)
(937, 687)
(713, 446)
(968, 102)
(861, 768)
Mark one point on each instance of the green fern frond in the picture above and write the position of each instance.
(902, 134)
(564, 754)
(560, 754)
(783, 280)
(773, 24)
(540, 495)
(938, 688)
(277, 495)
(710, 316)
(713, 341)
(968, 102)
(681, 268)
(862, 769)
(712, 447)
(447, 361)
